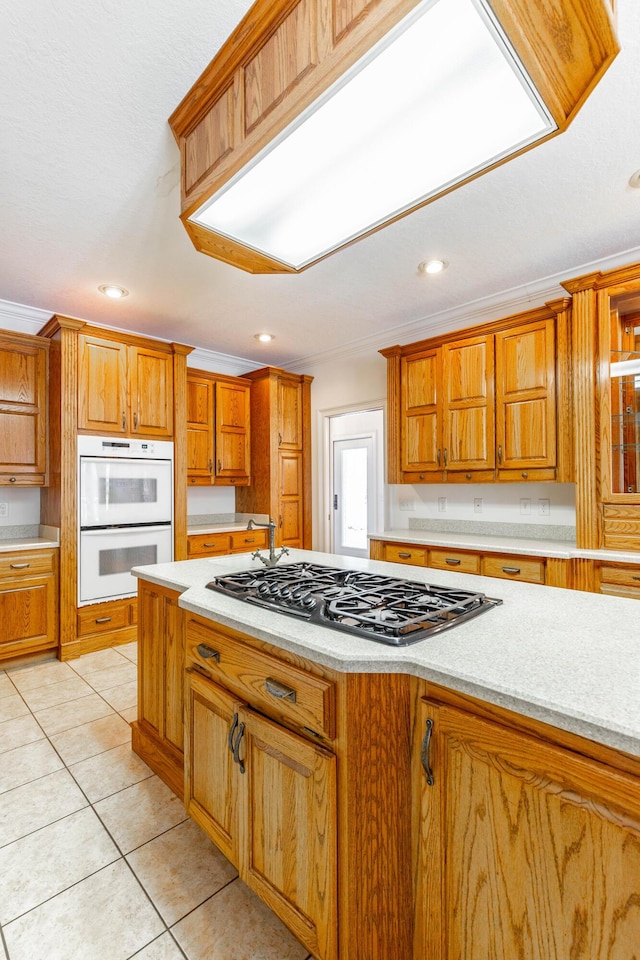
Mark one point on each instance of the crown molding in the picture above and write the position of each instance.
(203, 359)
(470, 314)
(22, 319)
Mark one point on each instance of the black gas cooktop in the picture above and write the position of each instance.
(387, 609)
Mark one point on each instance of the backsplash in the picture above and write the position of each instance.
(528, 505)
(524, 531)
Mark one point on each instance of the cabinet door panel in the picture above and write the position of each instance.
(468, 377)
(199, 429)
(291, 823)
(541, 859)
(232, 430)
(289, 414)
(24, 612)
(151, 391)
(213, 795)
(421, 418)
(526, 396)
(102, 385)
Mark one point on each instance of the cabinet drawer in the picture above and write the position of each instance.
(450, 560)
(514, 568)
(400, 554)
(620, 581)
(276, 688)
(207, 543)
(246, 540)
(101, 618)
(26, 564)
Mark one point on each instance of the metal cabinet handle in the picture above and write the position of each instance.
(13, 479)
(236, 745)
(210, 466)
(19, 566)
(281, 521)
(446, 458)
(525, 474)
(500, 453)
(124, 421)
(438, 456)
(103, 620)
(633, 577)
(405, 556)
(135, 421)
(208, 653)
(279, 439)
(232, 730)
(249, 539)
(424, 753)
(511, 569)
(452, 561)
(279, 690)
(209, 544)
(219, 466)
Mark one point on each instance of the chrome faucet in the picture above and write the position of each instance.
(273, 556)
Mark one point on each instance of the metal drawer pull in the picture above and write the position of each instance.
(633, 577)
(232, 730)
(405, 556)
(209, 544)
(208, 653)
(511, 569)
(424, 753)
(279, 690)
(452, 561)
(103, 619)
(19, 566)
(249, 539)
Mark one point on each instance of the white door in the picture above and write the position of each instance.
(354, 495)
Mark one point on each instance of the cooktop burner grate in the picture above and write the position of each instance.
(387, 609)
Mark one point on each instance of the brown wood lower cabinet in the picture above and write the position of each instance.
(28, 602)
(525, 849)
(267, 798)
(158, 733)
(220, 543)
(554, 572)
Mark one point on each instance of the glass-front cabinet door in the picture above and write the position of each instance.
(624, 377)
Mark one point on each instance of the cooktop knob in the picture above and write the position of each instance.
(309, 602)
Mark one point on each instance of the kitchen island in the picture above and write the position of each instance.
(522, 723)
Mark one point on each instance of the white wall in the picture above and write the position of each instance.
(23, 505)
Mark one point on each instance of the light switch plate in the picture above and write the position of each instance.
(4, 509)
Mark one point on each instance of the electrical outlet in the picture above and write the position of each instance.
(442, 504)
(4, 509)
(477, 505)
(525, 505)
(406, 504)
(544, 507)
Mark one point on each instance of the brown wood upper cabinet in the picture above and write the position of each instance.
(218, 429)
(23, 409)
(124, 388)
(485, 406)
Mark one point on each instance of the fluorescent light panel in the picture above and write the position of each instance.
(439, 99)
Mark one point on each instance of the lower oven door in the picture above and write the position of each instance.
(107, 556)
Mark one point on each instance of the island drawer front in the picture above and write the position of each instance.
(26, 564)
(514, 568)
(625, 576)
(248, 540)
(450, 560)
(278, 689)
(399, 554)
(207, 543)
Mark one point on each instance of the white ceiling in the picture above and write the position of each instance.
(89, 194)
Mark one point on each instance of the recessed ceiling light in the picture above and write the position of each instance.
(113, 291)
(264, 337)
(432, 266)
(634, 180)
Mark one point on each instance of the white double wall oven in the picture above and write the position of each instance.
(125, 513)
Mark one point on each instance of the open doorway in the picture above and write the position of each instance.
(356, 489)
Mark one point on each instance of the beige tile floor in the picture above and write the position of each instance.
(98, 860)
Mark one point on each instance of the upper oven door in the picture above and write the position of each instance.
(125, 491)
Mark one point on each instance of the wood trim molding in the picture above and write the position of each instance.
(583, 362)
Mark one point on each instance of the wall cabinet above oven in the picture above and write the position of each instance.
(24, 365)
(218, 430)
(124, 388)
(493, 404)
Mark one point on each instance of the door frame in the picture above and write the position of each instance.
(324, 476)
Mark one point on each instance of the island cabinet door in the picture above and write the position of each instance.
(526, 850)
(213, 792)
(291, 842)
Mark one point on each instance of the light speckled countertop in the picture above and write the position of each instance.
(28, 537)
(568, 658)
(559, 549)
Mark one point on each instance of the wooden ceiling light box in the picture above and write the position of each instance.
(285, 54)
